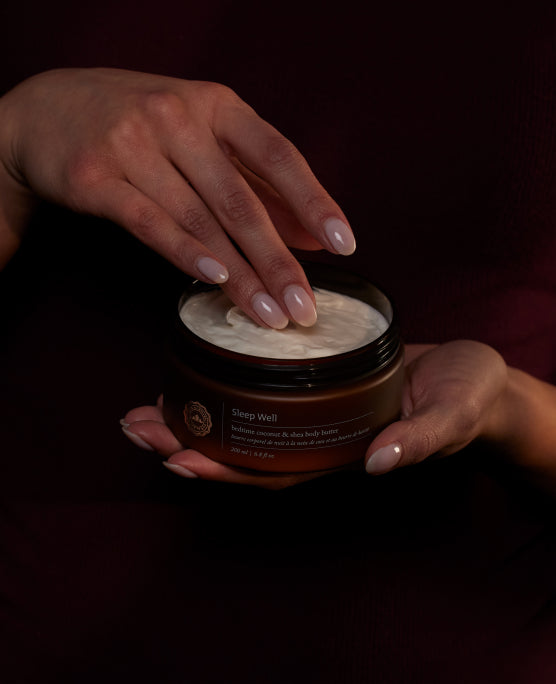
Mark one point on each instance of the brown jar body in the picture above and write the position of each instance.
(302, 430)
(281, 416)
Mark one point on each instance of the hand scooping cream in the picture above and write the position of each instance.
(343, 324)
(293, 400)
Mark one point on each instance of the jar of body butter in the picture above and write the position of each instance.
(299, 400)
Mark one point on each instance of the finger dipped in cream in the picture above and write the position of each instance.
(343, 324)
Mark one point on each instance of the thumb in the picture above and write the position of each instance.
(413, 439)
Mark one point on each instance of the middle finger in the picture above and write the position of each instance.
(163, 184)
(241, 214)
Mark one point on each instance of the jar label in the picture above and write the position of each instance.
(260, 435)
(278, 431)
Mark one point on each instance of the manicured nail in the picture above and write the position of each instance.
(136, 439)
(179, 470)
(213, 270)
(384, 459)
(300, 305)
(340, 236)
(269, 310)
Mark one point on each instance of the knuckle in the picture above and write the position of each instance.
(468, 417)
(84, 171)
(429, 444)
(239, 206)
(423, 438)
(196, 222)
(163, 105)
(444, 432)
(276, 266)
(222, 105)
(317, 207)
(279, 153)
(217, 101)
(219, 94)
(219, 91)
(127, 133)
(144, 220)
(165, 111)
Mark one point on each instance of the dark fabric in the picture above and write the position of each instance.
(434, 129)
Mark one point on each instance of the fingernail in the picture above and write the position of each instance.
(213, 270)
(384, 459)
(179, 470)
(136, 439)
(269, 310)
(300, 305)
(340, 236)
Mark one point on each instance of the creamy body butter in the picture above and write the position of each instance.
(295, 400)
(343, 324)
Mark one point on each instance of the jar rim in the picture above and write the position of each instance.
(248, 369)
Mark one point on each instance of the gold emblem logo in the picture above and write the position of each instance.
(197, 419)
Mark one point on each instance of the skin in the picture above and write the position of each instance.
(186, 166)
(191, 170)
(454, 394)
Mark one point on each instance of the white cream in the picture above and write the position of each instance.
(343, 324)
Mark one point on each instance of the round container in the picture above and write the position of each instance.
(284, 415)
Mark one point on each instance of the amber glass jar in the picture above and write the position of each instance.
(284, 415)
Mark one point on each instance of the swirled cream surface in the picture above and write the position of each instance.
(343, 324)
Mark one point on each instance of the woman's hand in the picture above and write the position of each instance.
(146, 428)
(186, 166)
(453, 394)
(462, 391)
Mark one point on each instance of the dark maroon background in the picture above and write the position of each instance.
(433, 126)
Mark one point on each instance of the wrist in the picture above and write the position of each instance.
(522, 424)
(499, 426)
